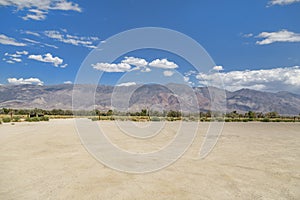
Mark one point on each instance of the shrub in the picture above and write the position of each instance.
(44, 118)
(32, 119)
(16, 119)
(94, 118)
(265, 120)
(192, 118)
(6, 119)
(134, 119)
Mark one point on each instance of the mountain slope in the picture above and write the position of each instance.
(156, 97)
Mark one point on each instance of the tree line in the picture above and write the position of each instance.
(143, 112)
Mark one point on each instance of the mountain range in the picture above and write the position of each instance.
(153, 96)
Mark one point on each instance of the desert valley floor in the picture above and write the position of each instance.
(253, 160)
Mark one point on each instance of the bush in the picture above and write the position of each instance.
(16, 119)
(94, 118)
(44, 118)
(265, 120)
(192, 118)
(155, 119)
(32, 119)
(6, 119)
(36, 119)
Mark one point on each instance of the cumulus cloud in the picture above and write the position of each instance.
(279, 36)
(107, 67)
(38, 9)
(286, 78)
(48, 58)
(163, 63)
(168, 73)
(22, 81)
(10, 41)
(282, 2)
(218, 68)
(68, 82)
(72, 39)
(127, 84)
(139, 62)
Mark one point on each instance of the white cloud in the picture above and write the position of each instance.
(50, 45)
(247, 35)
(72, 39)
(68, 82)
(32, 33)
(189, 73)
(12, 55)
(48, 58)
(280, 36)
(35, 15)
(65, 5)
(10, 62)
(31, 41)
(10, 41)
(276, 79)
(218, 68)
(146, 69)
(16, 59)
(282, 2)
(64, 66)
(107, 67)
(39, 8)
(186, 78)
(41, 44)
(139, 62)
(127, 84)
(22, 81)
(22, 52)
(163, 63)
(168, 73)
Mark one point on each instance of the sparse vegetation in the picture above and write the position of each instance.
(35, 115)
(6, 119)
(36, 119)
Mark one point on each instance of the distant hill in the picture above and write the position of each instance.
(156, 97)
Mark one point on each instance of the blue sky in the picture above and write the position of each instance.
(254, 44)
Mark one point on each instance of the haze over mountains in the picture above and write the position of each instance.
(156, 97)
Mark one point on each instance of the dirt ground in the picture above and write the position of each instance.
(46, 160)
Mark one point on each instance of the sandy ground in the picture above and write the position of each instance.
(46, 160)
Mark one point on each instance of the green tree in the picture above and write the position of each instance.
(144, 112)
(109, 113)
(6, 110)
